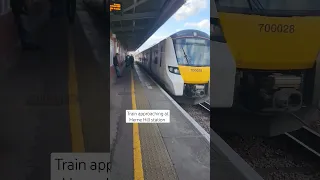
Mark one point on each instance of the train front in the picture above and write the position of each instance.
(192, 51)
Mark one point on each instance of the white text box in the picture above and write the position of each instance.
(147, 116)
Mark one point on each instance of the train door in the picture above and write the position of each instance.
(156, 60)
(150, 60)
(161, 60)
(145, 60)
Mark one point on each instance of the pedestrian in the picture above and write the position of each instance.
(116, 64)
(19, 9)
(127, 60)
(132, 61)
(71, 10)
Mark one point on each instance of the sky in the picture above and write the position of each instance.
(194, 14)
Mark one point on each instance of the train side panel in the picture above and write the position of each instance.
(223, 69)
(173, 82)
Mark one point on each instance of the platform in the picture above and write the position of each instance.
(45, 95)
(177, 150)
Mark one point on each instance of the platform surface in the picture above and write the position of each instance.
(177, 150)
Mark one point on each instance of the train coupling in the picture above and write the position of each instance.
(196, 90)
(287, 98)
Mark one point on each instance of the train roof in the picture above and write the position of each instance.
(183, 33)
(190, 32)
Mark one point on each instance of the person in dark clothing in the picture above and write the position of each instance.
(71, 10)
(116, 64)
(127, 60)
(19, 9)
(131, 61)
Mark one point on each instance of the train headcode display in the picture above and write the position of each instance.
(115, 7)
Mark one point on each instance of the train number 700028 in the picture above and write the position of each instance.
(277, 28)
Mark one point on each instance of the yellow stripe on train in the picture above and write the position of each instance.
(271, 43)
(195, 75)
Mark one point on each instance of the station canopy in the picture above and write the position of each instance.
(139, 19)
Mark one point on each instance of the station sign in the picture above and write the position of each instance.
(115, 7)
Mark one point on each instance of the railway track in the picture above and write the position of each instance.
(307, 138)
(205, 105)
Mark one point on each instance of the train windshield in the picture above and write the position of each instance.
(192, 51)
(281, 7)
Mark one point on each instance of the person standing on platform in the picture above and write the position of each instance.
(131, 61)
(127, 60)
(116, 64)
(19, 9)
(71, 10)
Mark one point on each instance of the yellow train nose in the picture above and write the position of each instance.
(195, 75)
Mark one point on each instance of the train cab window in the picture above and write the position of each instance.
(216, 33)
(192, 51)
(267, 7)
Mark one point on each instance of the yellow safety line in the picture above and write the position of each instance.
(137, 158)
(74, 107)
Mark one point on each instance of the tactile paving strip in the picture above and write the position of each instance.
(156, 161)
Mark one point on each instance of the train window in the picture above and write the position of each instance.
(267, 6)
(197, 41)
(216, 33)
(195, 54)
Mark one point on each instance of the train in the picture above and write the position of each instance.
(265, 58)
(181, 64)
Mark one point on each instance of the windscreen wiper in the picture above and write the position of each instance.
(185, 56)
(255, 5)
(258, 5)
(250, 5)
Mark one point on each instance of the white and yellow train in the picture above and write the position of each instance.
(265, 61)
(181, 63)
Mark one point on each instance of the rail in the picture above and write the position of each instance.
(205, 105)
(307, 138)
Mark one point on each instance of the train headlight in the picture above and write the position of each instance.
(174, 70)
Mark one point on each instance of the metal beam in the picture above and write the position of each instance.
(130, 34)
(134, 5)
(125, 35)
(125, 17)
(134, 11)
(127, 28)
(167, 10)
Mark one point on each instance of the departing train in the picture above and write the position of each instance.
(181, 63)
(265, 64)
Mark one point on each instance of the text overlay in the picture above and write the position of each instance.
(80, 166)
(147, 116)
